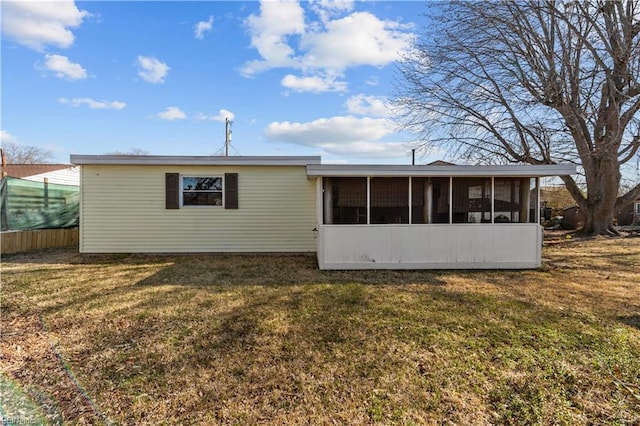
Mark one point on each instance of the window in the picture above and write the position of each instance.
(181, 191)
(638, 209)
(201, 190)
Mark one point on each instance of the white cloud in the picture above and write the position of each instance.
(202, 27)
(342, 135)
(315, 84)
(357, 39)
(368, 149)
(326, 130)
(152, 69)
(172, 113)
(373, 81)
(39, 24)
(322, 48)
(269, 32)
(6, 137)
(222, 115)
(327, 8)
(63, 68)
(92, 103)
(368, 105)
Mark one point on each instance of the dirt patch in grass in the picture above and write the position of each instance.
(133, 339)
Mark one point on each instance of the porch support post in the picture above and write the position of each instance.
(450, 199)
(410, 200)
(525, 187)
(428, 201)
(327, 190)
(368, 200)
(537, 213)
(493, 198)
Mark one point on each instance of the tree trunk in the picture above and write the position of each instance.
(599, 220)
(599, 207)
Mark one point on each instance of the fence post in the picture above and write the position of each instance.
(46, 193)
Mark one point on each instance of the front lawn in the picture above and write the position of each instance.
(203, 339)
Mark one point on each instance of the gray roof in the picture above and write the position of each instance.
(445, 170)
(26, 170)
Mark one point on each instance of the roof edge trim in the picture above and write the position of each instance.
(515, 170)
(178, 160)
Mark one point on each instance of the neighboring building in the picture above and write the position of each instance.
(62, 174)
(39, 196)
(629, 216)
(574, 218)
(352, 216)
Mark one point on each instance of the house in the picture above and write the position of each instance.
(351, 216)
(629, 216)
(61, 174)
(574, 218)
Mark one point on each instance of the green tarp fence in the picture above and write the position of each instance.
(27, 205)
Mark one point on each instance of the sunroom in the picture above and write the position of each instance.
(429, 217)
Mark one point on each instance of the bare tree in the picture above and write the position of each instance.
(14, 153)
(538, 82)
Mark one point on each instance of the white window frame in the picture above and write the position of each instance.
(208, 206)
(637, 209)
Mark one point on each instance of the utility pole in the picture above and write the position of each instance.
(227, 136)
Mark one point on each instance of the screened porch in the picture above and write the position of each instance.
(422, 217)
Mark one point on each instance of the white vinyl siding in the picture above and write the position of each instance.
(123, 210)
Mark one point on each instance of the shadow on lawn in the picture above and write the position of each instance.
(224, 269)
(631, 321)
(271, 332)
(273, 270)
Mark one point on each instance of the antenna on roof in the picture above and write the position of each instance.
(227, 136)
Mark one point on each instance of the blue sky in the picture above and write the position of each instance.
(296, 78)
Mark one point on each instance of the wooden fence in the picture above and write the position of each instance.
(20, 241)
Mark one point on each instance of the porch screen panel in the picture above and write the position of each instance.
(429, 200)
(419, 208)
(348, 200)
(389, 200)
(471, 200)
(439, 200)
(507, 203)
(533, 198)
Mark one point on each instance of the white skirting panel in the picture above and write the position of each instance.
(459, 246)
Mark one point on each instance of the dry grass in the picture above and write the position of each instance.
(249, 340)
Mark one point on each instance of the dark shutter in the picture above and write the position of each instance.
(172, 190)
(230, 190)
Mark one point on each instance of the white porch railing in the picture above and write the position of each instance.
(441, 246)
